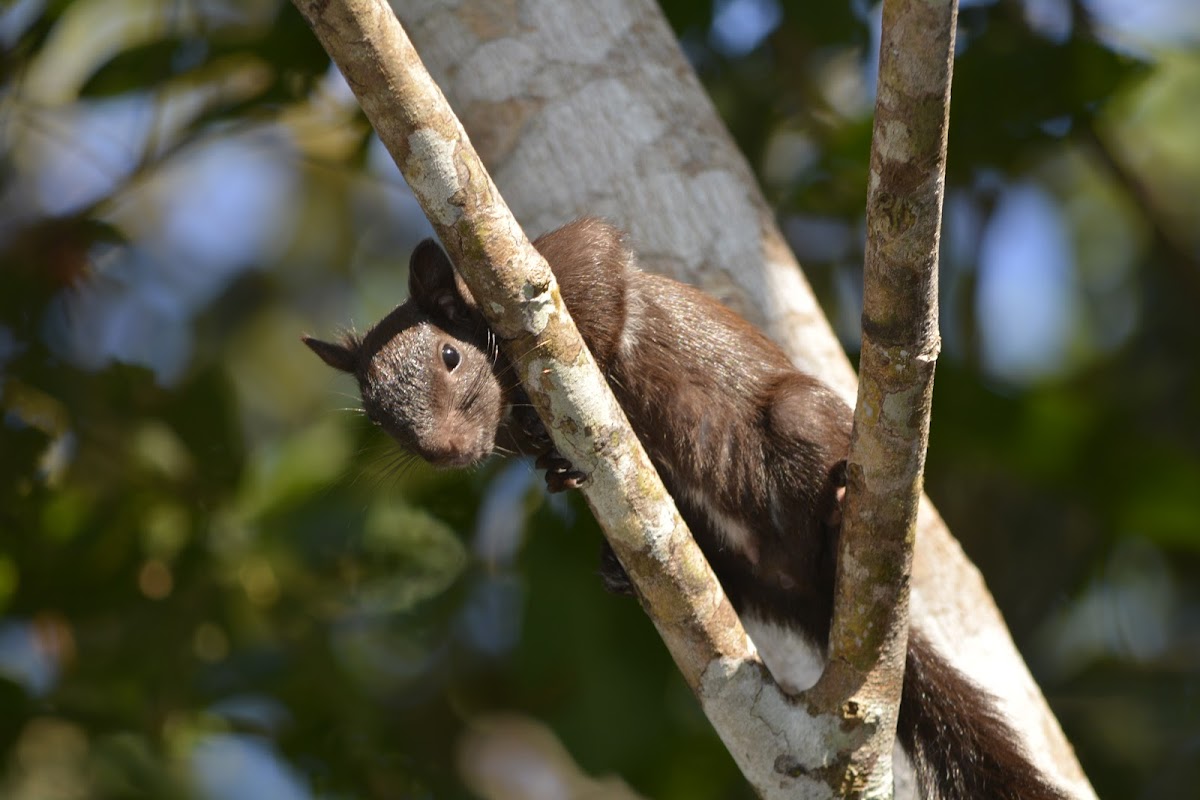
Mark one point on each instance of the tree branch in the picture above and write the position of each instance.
(900, 343)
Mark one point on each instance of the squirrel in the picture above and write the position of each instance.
(752, 450)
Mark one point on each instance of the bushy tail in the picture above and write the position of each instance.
(961, 748)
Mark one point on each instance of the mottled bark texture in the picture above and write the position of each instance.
(589, 107)
(762, 728)
(900, 343)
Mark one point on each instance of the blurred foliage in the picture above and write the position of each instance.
(215, 584)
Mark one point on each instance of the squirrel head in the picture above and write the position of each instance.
(427, 372)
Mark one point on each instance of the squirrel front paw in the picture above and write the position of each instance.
(560, 475)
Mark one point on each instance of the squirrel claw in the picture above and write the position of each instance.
(560, 475)
(560, 482)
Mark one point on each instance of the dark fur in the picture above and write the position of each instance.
(751, 449)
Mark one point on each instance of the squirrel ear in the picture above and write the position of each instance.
(339, 356)
(435, 286)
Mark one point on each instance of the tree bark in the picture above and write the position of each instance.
(869, 636)
(589, 107)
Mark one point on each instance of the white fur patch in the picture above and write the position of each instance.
(793, 661)
(733, 532)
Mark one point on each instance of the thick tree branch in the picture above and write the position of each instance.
(900, 344)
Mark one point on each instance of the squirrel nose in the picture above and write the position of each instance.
(453, 449)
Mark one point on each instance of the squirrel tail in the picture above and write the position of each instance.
(962, 749)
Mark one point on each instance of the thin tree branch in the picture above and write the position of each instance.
(869, 637)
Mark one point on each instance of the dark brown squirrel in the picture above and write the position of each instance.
(752, 450)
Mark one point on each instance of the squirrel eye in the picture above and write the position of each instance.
(450, 357)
